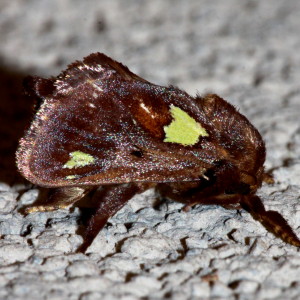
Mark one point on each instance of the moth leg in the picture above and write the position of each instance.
(231, 201)
(270, 219)
(60, 198)
(112, 200)
(267, 178)
(218, 189)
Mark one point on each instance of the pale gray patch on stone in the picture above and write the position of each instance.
(29, 197)
(7, 202)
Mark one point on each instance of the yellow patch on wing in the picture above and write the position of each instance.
(79, 159)
(69, 177)
(183, 129)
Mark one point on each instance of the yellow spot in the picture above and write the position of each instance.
(183, 129)
(79, 159)
(71, 177)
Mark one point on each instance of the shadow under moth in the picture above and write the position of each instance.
(98, 124)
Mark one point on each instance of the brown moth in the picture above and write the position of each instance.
(101, 125)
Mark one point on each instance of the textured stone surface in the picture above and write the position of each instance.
(246, 51)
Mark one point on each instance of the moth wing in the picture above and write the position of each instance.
(101, 124)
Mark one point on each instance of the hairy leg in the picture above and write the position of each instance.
(271, 220)
(112, 200)
(60, 198)
(221, 187)
(227, 201)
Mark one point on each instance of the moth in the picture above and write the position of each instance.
(99, 124)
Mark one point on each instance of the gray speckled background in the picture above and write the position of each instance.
(246, 51)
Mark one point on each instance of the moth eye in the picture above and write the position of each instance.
(137, 153)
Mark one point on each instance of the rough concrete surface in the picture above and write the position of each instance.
(246, 51)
